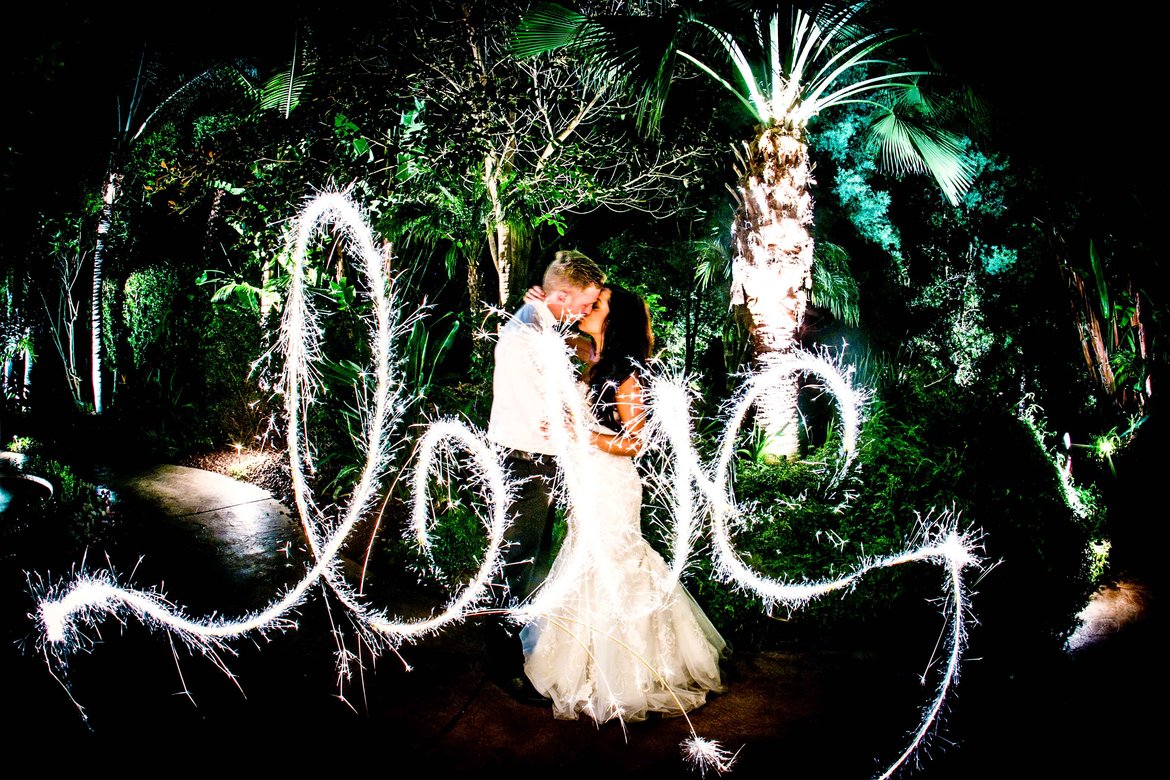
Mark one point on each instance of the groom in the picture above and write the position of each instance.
(572, 284)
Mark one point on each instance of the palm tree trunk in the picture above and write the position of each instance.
(501, 249)
(26, 385)
(498, 229)
(474, 298)
(772, 264)
(510, 246)
(104, 221)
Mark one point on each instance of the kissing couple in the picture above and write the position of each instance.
(621, 637)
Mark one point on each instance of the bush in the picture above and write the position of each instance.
(920, 455)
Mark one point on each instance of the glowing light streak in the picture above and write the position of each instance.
(64, 610)
(707, 754)
(669, 429)
(942, 543)
(66, 607)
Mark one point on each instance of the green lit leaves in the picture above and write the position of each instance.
(348, 132)
(283, 91)
(632, 54)
(834, 287)
(909, 141)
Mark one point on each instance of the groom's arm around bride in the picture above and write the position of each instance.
(572, 283)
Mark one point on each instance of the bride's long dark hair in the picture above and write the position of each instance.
(627, 343)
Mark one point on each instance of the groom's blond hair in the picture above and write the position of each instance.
(572, 270)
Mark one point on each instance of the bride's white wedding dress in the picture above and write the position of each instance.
(624, 638)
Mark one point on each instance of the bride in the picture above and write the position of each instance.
(624, 638)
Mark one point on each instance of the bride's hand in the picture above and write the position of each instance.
(535, 294)
(546, 427)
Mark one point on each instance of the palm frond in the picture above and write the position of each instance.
(632, 53)
(754, 100)
(909, 142)
(834, 287)
(853, 57)
(184, 90)
(712, 263)
(944, 100)
(549, 27)
(753, 107)
(284, 90)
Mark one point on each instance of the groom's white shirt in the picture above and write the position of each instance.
(518, 395)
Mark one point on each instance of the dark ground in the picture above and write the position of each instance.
(791, 711)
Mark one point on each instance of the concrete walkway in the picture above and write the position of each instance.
(221, 546)
(251, 532)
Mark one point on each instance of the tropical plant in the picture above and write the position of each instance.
(61, 298)
(1115, 333)
(129, 132)
(17, 347)
(519, 146)
(788, 66)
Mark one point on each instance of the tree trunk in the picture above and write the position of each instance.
(474, 298)
(510, 247)
(209, 230)
(508, 241)
(104, 221)
(772, 265)
(26, 385)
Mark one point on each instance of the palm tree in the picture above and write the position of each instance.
(282, 92)
(112, 191)
(788, 65)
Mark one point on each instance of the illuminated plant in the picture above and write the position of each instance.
(788, 66)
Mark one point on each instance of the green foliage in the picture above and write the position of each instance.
(839, 139)
(834, 287)
(998, 259)
(1112, 323)
(868, 209)
(684, 315)
(189, 387)
(349, 132)
(958, 342)
(21, 444)
(146, 310)
(459, 541)
(267, 296)
(464, 390)
(284, 90)
(919, 458)
(232, 407)
(423, 356)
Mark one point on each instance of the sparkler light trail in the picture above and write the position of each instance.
(66, 609)
(65, 606)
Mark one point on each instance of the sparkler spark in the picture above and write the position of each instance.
(700, 491)
(706, 754)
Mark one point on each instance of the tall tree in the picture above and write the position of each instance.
(517, 145)
(129, 131)
(788, 64)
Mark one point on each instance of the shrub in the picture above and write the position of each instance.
(920, 455)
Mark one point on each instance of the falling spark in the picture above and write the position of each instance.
(707, 754)
(699, 491)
